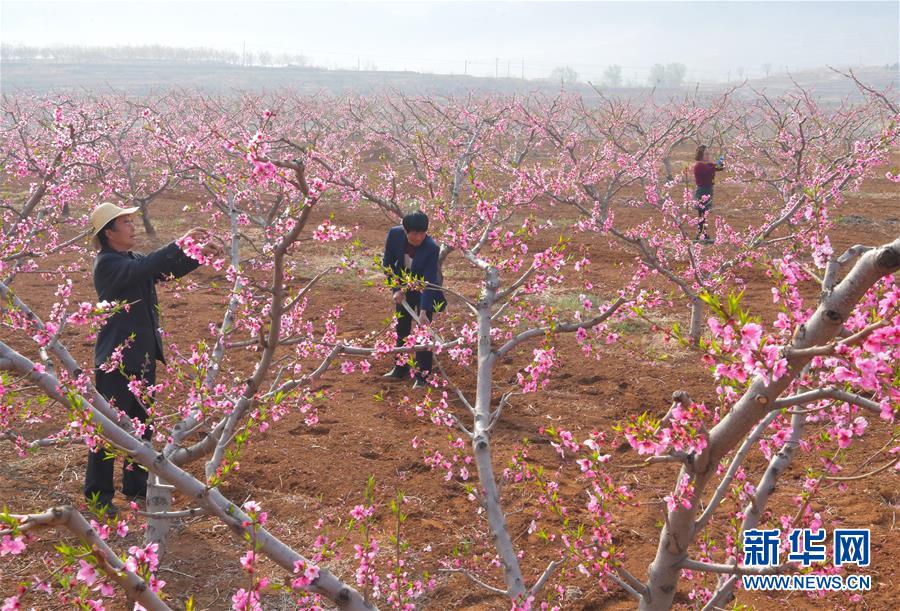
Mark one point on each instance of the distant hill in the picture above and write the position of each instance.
(142, 77)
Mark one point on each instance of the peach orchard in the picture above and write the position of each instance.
(819, 375)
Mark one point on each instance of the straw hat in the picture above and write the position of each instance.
(103, 214)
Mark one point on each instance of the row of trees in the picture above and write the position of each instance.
(487, 171)
(661, 75)
(156, 52)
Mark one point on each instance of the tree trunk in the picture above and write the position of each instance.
(698, 309)
(145, 219)
(481, 447)
(159, 500)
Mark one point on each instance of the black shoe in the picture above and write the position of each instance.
(419, 382)
(397, 373)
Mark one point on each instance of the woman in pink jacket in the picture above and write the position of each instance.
(705, 176)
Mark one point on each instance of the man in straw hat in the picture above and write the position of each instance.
(121, 275)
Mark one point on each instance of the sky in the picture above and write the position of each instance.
(714, 40)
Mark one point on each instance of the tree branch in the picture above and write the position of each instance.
(542, 580)
(622, 584)
(736, 462)
(826, 393)
(107, 560)
(851, 478)
(560, 328)
(734, 569)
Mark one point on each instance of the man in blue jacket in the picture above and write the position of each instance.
(130, 277)
(410, 249)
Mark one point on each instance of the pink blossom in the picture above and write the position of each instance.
(87, 573)
(361, 512)
(11, 604)
(248, 560)
(242, 600)
(751, 333)
(844, 437)
(10, 545)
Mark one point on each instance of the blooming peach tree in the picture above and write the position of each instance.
(493, 174)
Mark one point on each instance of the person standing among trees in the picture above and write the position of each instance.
(705, 177)
(121, 275)
(409, 250)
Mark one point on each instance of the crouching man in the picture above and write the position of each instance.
(409, 249)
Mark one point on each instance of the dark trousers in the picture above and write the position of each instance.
(98, 479)
(703, 208)
(424, 358)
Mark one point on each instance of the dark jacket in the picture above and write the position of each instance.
(132, 277)
(705, 173)
(424, 264)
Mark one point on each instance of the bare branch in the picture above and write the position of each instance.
(560, 328)
(475, 579)
(495, 416)
(826, 393)
(633, 581)
(736, 462)
(542, 580)
(734, 569)
(634, 593)
(883, 467)
(174, 515)
(884, 99)
(44, 442)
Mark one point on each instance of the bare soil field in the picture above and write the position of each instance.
(301, 474)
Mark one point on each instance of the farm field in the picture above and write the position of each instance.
(309, 473)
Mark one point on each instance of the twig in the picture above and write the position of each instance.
(836, 478)
(475, 579)
(734, 569)
(560, 328)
